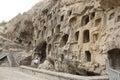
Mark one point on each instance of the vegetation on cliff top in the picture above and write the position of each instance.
(2, 23)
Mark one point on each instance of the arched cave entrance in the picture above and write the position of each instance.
(40, 51)
(85, 20)
(73, 21)
(62, 18)
(77, 36)
(64, 40)
(49, 48)
(114, 58)
(88, 56)
(86, 36)
(57, 30)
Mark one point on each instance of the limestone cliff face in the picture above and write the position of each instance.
(71, 36)
(20, 29)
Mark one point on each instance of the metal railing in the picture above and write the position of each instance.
(113, 74)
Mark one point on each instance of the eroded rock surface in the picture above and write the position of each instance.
(71, 36)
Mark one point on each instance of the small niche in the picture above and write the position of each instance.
(45, 11)
(44, 28)
(58, 28)
(97, 22)
(49, 48)
(95, 37)
(35, 42)
(77, 36)
(49, 16)
(29, 43)
(55, 18)
(88, 56)
(118, 18)
(52, 31)
(92, 15)
(19, 40)
(56, 38)
(42, 22)
(86, 36)
(111, 16)
(73, 20)
(85, 20)
(64, 40)
(69, 12)
(62, 18)
(48, 38)
(62, 57)
(38, 33)
(42, 33)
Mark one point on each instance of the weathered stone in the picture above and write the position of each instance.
(71, 36)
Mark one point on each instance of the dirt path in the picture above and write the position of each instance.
(7, 73)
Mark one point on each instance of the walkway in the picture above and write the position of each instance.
(14, 74)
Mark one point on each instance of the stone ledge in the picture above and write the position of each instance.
(51, 75)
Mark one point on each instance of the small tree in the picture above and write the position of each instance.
(2, 23)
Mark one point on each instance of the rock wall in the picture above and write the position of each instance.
(12, 54)
(71, 36)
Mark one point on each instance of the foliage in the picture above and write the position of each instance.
(2, 23)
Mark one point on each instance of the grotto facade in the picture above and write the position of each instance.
(72, 36)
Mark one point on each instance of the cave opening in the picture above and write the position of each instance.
(118, 18)
(64, 40)
(19, 40)
(57, 29)
(92, 15)
(77, 36)
(44, 28)
(52, 32)
(95, 37)
(88, 56)
(85, 20)
(73, 21)
(49, 16)
(24, 34)
(86, 36)
(38, 33)
(69, 12)
(97, 22)
(49, 48)
(114, 58)
(111, 16)
(62, 18)
(40, 50)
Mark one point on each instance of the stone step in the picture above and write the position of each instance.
(51, 75)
